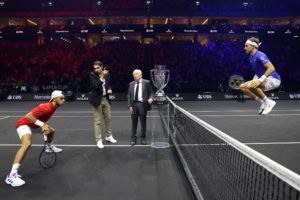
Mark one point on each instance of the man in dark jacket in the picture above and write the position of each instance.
(99, 99)
(140, 96)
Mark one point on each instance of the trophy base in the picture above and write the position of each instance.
(160, 145)
(160, 98)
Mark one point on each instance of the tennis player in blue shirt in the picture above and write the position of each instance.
(265, 79)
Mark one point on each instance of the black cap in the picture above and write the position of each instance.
(97, 62)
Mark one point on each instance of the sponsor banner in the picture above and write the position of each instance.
(294, 96)
(113, 97)
(207, 96)
(55, 87)
(41, 97)
(81, 97)
(28, 97)
(177, 97)
(14, 97)
(236, 95)
(233, 96)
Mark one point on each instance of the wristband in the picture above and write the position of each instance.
(39, 123)
(262, 78)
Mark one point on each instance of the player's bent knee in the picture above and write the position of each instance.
(242, 86)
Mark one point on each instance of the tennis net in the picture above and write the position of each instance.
(219, 167)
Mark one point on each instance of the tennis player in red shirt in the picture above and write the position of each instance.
(34, 119)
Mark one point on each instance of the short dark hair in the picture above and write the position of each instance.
(97, 62)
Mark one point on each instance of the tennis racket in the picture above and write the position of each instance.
(47, 157)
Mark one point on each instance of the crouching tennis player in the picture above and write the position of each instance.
(34, 119)
(265, 79)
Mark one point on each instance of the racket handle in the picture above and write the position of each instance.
(45, 138)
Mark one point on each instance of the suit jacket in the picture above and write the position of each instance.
(147, 93)
(96, 93)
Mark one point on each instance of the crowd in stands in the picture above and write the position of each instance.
(28, 67)
(203, 68)
(64, 63)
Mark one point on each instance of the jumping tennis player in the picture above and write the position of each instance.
(265, 79)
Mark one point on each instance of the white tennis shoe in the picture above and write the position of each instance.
(14, 180)
(100, 144)
(269, 106)
(54, 148)
(110, 139)
(261, 108)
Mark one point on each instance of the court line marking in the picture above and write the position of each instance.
(250, 115)
(191, 111)
(76, 145)
(79, 112)
(270, 143)
(157, 116)
(4, 117)
(87, 116)
(214, 111)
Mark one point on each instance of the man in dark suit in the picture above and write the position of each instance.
(140, 98)
(99, 99)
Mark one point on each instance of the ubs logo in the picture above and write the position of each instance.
(294, 96)
(204, 96)
(14, 97)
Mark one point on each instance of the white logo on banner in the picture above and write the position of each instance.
(204, 96)
(112, 97)
(82, 98)
(177, 97)
(41, 97)
(14, 97)
(294, 96)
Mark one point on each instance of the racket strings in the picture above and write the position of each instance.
(47, 157)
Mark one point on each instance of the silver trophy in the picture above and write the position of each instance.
(160, 77)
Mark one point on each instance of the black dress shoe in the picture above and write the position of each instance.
(133, 142)
(143, 142)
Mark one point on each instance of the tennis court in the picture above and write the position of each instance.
(141, 172)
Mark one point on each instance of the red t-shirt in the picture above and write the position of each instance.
(42, 112)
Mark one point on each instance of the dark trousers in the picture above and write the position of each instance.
(138, 111)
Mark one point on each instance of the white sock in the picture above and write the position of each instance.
(265, 99)
(259, 100)
(15, 168)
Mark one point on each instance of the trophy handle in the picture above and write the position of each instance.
(167, 78)
(152, 74)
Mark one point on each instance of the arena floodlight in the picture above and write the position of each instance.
(31, 22)
(148, 2)
(245, 4)
(205, 21)
(91, 21)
